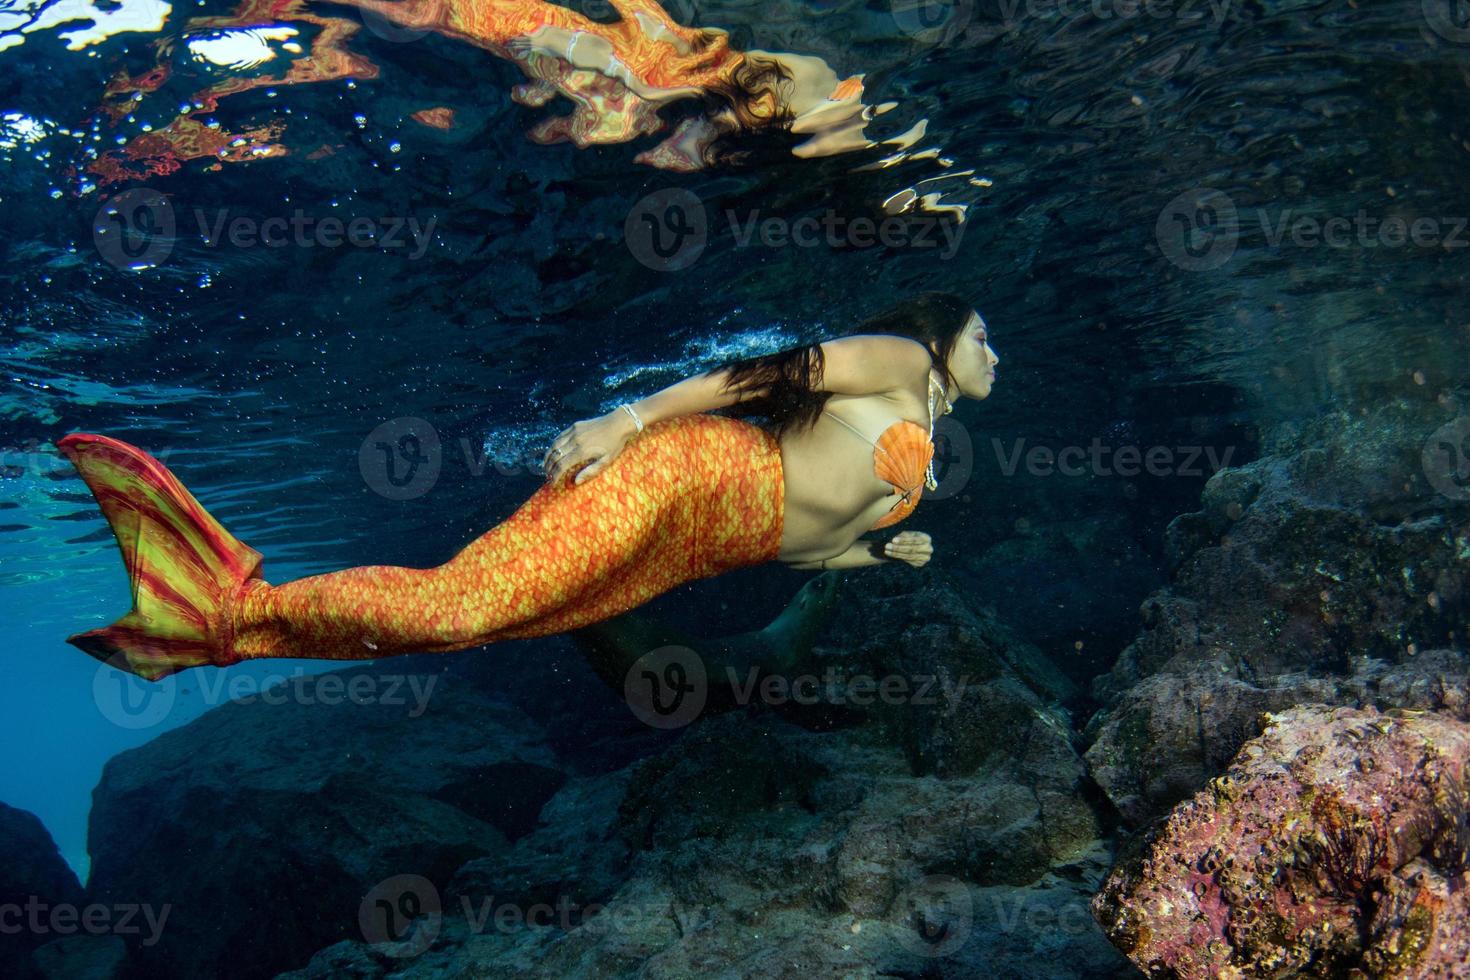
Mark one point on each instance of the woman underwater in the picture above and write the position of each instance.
(664, 493)
(617, 74)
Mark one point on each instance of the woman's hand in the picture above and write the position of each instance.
(913, 547)
(594, 441)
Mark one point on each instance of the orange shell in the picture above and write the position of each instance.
(847, 88)
(903, 464)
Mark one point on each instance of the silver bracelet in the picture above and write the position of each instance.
(636, 420)
(571, 46)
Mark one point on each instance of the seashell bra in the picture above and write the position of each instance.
(901, 458)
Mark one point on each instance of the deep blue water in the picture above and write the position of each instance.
(258, 372)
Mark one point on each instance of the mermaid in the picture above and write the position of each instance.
(652, 494)
(618, 76)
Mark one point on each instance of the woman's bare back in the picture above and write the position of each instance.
(833, 496)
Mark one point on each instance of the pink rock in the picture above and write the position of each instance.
(1334, 845)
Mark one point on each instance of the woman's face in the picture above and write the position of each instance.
(972, 362)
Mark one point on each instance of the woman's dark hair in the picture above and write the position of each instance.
(784, 384)
(753, 95)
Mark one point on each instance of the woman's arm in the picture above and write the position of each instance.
(860, 555)
(870, 364)
(700, 393)
(912, 547)
(864, 364)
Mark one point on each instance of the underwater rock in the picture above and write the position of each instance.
(1317, 573)
(576, 853)
(755, 848)
(32, 876)
(81, 957)
(1334, 843)
(1176, 729)
(274, 818)
(966, 688)
(938, 832)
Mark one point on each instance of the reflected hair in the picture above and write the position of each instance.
(782, 387)
(755, 97)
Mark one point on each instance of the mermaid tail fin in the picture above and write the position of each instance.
(185, 568)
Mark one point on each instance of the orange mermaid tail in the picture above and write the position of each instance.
(690, 497)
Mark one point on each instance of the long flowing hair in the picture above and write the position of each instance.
(782, 387)
(755, 96)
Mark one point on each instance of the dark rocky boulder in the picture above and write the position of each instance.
(943, 834)
(34, 881)
(261, 826)
(756, 848)
(1329, 570)
(82, 957)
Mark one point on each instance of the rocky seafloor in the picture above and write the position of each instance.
(1270, 781)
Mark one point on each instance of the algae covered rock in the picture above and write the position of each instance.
(1335, 842)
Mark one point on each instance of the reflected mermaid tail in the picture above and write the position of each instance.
(184, 567)
(688, 498)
